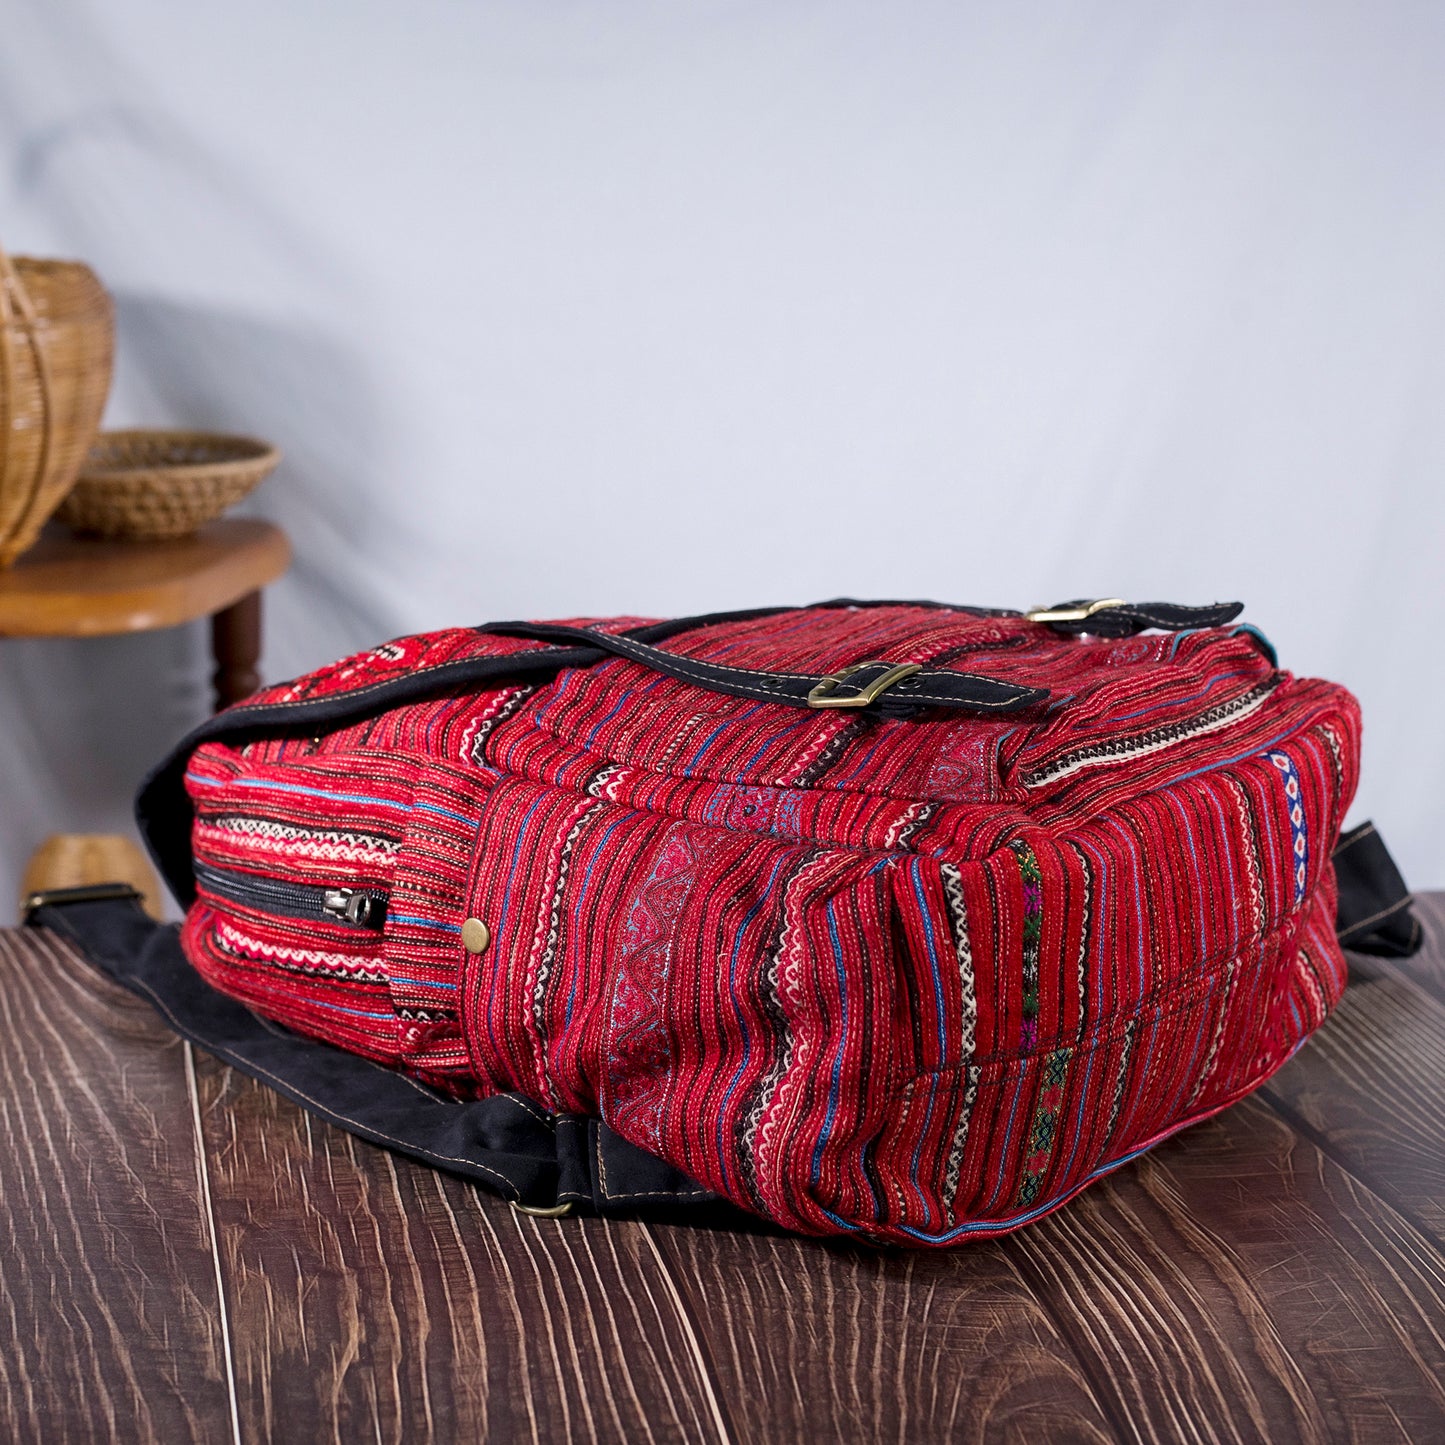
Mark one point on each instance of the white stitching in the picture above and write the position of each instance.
(640, 1193)
(1366, 831)
(549, 1121)
(1395, 907)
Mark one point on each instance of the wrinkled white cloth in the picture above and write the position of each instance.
(662, 309)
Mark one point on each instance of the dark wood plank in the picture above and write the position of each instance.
(110, 1324)
(1275, 1274)
(818, 1341)
(1369, 1090)
(1426, 968)
(1238, 1285)
(374, 1298)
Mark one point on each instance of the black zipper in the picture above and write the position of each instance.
(349, 907)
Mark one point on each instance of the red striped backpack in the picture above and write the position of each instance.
(899, 920)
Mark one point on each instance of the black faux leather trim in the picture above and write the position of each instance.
(932, 687)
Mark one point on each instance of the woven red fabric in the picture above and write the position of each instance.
(911, 978)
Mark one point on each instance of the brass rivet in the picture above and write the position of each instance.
(475, 936)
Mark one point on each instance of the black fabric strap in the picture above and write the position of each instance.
(1374, 905)
(505, 1142)
(931, 687)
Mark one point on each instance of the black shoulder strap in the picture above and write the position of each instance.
(1373, 915)
(552, 1163)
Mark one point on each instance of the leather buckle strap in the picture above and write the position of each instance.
(825, 693)
(901, 690)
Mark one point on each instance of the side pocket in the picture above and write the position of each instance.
(726, 1001)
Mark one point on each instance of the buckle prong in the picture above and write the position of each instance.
(824, 692)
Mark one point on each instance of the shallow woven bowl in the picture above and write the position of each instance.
(153, 484)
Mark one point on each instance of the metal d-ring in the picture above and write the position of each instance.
(550, 1211)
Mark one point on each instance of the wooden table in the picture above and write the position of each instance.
(187, 1256)
(68, 586)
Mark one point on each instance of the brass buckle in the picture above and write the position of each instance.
(823, 691)
(1073, 614)
(551, 1211)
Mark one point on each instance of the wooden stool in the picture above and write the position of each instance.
(68, 586)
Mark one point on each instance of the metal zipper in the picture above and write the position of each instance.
(350, 907)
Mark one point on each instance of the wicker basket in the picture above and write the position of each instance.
(152, 484)
(57, 340)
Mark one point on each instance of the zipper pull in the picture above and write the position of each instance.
(352, 905)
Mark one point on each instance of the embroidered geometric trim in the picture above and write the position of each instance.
(1120, 750)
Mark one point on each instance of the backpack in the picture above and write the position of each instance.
(896, 920)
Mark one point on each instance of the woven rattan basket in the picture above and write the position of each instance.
(152, 484)
(57, 338)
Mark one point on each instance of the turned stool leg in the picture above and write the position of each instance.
(236, 646)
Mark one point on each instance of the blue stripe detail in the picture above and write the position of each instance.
(771, 740)
(1083, 1094)
(597, 853)
(495, 974)
(359, 1012)
(447, 813)
(1259, 637)
(1299, 836)
(422, 983)
(617, 707)
(1193, 697)
(1178, 638)
(995, 1226)
(268, 786)
(843, 1031)
(915, 870)
(712, 737)
(414, 922)
(1013, 1113)
(1221, 763)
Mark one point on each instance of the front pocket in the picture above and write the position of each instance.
(1161, 704)
(294, 864)
(308, 902)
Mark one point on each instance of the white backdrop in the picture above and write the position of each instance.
(668, 307)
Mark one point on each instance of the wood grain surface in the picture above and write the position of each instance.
(110, 1324)
(190, 1257)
